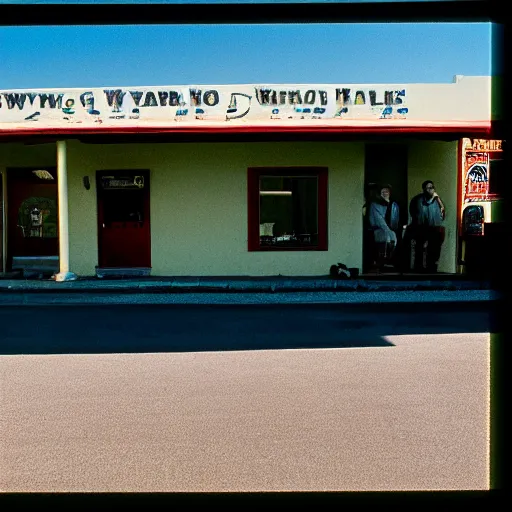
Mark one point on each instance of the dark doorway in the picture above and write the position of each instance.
(1, 224)
(385, 164)
(123, 219)
(32, 208)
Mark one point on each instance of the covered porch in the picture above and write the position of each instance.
(225, 181)
(212, 218)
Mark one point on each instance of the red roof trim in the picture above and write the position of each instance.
(480, 129)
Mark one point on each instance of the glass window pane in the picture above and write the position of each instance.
(124, 206)
(288, 211)
(37, 217)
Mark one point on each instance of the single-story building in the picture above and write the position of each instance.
(253, 180)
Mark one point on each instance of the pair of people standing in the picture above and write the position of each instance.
(427, 213)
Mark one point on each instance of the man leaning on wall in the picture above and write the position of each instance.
(427, 227)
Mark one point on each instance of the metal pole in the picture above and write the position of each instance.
(62, 188)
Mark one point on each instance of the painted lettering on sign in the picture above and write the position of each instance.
(485, 145)
(266, 96)
(192, 103)
(14, 100)
(292, 103)
(386, 104)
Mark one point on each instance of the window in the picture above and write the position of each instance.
(37, 217)
(123, 206)
(287, 208)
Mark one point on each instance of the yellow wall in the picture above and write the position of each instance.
(19, 155)
(437, 161)
(199, 205)
(199, 201)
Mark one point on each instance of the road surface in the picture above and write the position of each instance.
(244, 398)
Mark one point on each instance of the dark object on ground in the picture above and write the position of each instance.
(340, 271)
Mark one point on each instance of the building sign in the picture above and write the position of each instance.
(199, 104)
(476, 169)
(483, 145)
(476, 182)
(476, 173)
(117, 182)
(464, 102)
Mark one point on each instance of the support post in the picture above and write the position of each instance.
(62, 188)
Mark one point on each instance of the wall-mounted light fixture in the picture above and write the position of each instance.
(43, 174)
(87, 183)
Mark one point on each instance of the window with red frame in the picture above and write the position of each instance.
(287, 208)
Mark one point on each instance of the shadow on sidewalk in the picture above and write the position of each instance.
(198, 328)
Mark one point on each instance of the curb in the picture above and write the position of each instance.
(241, 286)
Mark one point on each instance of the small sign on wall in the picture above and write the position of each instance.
(122, 182)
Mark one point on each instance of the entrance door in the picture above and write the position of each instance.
(123, 219)
(385, 164)
(33, 226)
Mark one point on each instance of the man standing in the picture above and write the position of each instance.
(427, 214)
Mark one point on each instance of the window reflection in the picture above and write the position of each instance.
(288, 211)
(37, 218)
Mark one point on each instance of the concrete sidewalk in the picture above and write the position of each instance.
(237, 284)
(374, 290)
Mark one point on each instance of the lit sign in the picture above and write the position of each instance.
(485, 145)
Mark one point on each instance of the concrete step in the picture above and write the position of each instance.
(35, 262)
(36, 267)
(123, 272)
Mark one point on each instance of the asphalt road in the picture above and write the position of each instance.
(183, 327)
(244, 398)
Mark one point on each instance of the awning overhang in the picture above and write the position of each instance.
(173, 133)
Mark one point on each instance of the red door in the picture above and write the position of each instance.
(32, 212)
(123, 219)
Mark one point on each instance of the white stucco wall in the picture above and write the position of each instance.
(468, 98)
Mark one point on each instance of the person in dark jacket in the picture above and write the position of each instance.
(384, 219)
(427, 227)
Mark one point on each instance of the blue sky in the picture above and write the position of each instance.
(373, 53)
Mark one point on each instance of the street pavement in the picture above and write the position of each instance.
(61, 298)
(196, 398)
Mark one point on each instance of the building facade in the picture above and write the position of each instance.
(223, 180)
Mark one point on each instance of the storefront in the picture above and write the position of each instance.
(223, 180)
